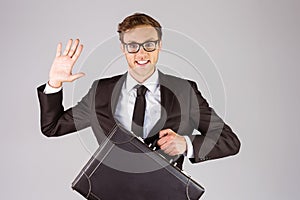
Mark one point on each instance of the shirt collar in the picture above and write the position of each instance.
(151, 83)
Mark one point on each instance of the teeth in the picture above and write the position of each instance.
(142, 62)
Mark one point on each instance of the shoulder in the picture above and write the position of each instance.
(178, 82)
(108, 81)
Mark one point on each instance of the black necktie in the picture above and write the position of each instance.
(139, 111)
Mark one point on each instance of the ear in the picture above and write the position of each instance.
(122, 48)
(159, 45)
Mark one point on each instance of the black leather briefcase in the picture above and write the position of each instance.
(125, 168)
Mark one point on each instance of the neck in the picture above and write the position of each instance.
(140, 78)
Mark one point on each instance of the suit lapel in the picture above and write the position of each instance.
(116, 92)
(167, 103)
(167, 96)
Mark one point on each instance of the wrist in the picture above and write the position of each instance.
(55, 84)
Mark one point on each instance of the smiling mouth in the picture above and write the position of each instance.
(142, 62)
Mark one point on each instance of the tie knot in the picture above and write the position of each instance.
(141, 90)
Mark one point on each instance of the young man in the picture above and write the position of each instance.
(165, 107)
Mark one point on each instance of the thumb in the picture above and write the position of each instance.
(164, 132)
(76, 76)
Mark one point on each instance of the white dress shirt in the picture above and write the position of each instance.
(126, 102)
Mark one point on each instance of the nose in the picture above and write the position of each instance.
(141, 53)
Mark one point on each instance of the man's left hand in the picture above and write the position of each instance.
(171, 143)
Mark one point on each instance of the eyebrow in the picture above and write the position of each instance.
(150, 39)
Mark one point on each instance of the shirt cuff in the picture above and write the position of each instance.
(190, 150)
(50, 90)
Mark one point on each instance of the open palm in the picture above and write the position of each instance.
(61, 69)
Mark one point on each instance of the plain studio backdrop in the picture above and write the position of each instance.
(253, 44)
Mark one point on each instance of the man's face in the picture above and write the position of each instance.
(142, 63)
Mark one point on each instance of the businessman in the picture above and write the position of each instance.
(143, 100)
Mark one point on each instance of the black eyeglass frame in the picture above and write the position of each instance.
(140, 44)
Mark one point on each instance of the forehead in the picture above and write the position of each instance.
(140, 34)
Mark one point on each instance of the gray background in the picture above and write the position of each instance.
(255, 45)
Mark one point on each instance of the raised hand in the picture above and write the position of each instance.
(61, 69)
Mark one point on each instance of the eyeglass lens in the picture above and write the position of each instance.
(147, 46)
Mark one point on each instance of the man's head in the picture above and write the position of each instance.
(138, 19)
(140, 37)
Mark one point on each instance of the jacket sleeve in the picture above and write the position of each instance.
(55, 121)
(217, 140)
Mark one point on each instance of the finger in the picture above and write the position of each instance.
(162, 141)
(169, 143)
(173, 153)
(78, 52)
(165, 146)
(73, 48)
(170, 150)
(76, 76)
(164, 132)
(58, 49)
(67, 49)
(166, 135)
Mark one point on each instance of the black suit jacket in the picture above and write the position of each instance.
(183, 110)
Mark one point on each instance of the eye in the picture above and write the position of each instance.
(133, 46)
(149, 45)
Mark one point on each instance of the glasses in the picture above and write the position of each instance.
(134, 47)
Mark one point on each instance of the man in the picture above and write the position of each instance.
(172, 109)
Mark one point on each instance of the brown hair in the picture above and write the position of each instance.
(138, 19)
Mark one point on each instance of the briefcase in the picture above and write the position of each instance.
(125, 168)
